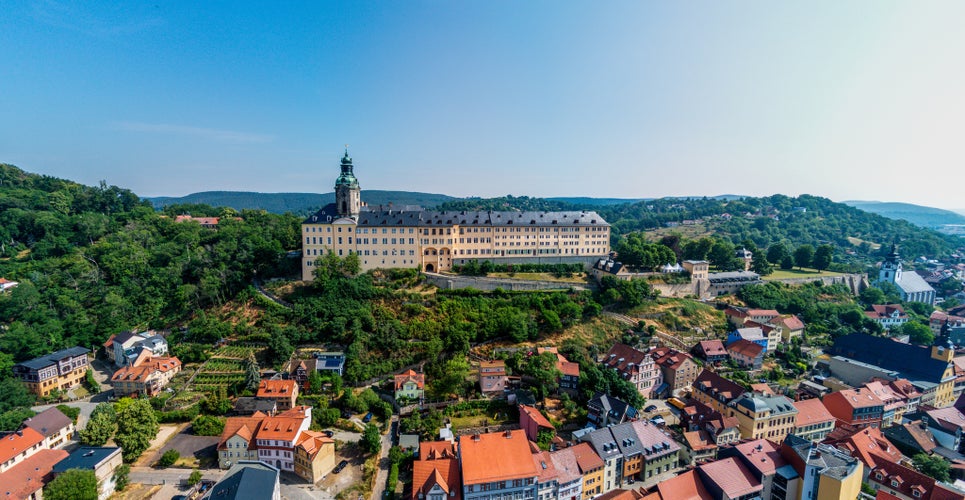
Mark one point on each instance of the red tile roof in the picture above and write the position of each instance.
(435, 450)
(763, 455)
(713, 348)
(790, 322)
(811, 411)
(313, 442)
(885, 311)
(908, 479)
(699, 440)
(428, 473)
(731, 476)
(276, 388)
(685, 486)
(621, 357)
(866, 444)
(16, 443)
(536, 416)
(27, 477)
(496, 456)
(746, 348)
(715, 385)
(243, 426)
(418, 378)
(586, 457)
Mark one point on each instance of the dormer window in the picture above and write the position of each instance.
(894, 483)
(916, 494)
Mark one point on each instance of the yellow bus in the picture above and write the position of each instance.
(676, 403)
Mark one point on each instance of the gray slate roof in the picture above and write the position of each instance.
(54, 357)
(370, 217)
(48, 422)
(86, 458)
(911, 282)
(913, 362)
(246, 480)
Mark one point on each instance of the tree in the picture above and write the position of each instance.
(871, 295)
(761, 266)
(101, 425)
(935, 467)
(918, 333)
(194, 478)
(75, 484)
(803, 256)
(787, 262)
(371, 440)
(722, 256)
(822, 257)
(542, 368)
(252, 374)
(70, 412)
(121, 478)
(136, 427)
(776, 253)
(314, 382)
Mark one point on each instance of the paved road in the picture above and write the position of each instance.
(378, 492)
(150, 475)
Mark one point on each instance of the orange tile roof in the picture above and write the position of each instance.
(402, 378)
(621, 495)
(496, 456)
(243, 426)
(312, 442)
(854, 398)
(546, 466)
(444, 472)
(435, 450)
(16, 443)
(699, 440)
(685, 486)
(763, 389)
(868, 443)
(790, 322)
(282, 427)
(587, 458)
(144, 366)
(536, 416)
(27, 477)
(565, 366)
(276, 388)
(810, 412)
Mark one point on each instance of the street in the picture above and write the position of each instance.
(378, 492)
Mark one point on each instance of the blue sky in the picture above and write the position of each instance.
(848, 100)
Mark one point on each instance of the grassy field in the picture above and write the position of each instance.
(782, 274)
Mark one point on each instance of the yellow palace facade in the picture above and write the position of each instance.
(433, 240)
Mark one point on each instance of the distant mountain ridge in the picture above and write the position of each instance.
(930, 217)
(296, 203)
(303, 203)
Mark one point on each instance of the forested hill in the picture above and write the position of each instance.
(93, 261)
(916, 214)
(794, 220)
(774, 219)
(296, 203)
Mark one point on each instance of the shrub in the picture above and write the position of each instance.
(168, 458)
(204, 425)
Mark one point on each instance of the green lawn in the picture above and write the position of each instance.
(781, 274)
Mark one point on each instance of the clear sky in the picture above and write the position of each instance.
(848, 100)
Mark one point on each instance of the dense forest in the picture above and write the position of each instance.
(93, 261)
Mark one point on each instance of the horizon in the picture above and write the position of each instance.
(633, 101)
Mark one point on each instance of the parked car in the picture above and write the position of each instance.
(658, 420)
(346, 414)
(341, 465)
(367, 418)
(650, 408)
(329, 433)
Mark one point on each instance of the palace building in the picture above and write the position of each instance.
(436, 240)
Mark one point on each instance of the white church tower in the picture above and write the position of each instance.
(891, 268)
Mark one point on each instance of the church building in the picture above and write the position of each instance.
(437, 240)
(911, 286)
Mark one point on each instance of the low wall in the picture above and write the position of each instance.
(451, 282)
(855, 282)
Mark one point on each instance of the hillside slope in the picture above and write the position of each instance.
(929, 217)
